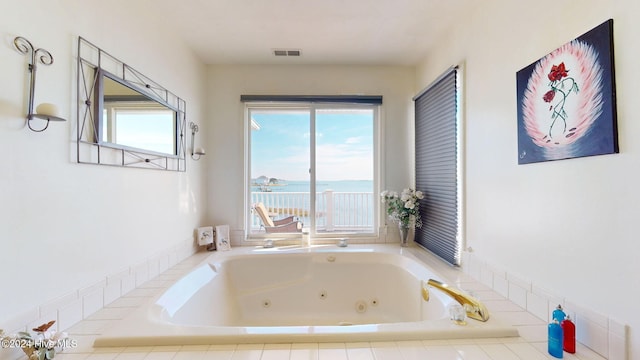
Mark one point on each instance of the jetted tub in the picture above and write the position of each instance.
(293, 294)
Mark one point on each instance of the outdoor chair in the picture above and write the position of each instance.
(285, 225)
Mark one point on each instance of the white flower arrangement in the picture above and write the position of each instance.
(403, 208)
(41, 346)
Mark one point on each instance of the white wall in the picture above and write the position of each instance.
(66, 226)
(557, 225)
(227, 83)
(567, 227)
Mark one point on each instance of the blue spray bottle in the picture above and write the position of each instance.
(558, 314)
(555, 339)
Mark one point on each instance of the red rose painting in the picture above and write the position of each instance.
(566, 101)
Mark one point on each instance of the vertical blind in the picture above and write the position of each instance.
(436, 131)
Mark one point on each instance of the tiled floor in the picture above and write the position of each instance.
(531, 344)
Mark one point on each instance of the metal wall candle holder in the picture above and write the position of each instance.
(44, 111)
(196, 153)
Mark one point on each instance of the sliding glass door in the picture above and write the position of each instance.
(314, 165)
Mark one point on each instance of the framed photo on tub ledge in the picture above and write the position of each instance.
(567, 101)
(205, 236)
(223, 242)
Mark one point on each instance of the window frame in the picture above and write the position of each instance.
(251, 104)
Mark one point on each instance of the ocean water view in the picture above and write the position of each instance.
(321, 186)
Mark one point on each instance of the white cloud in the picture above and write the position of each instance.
(354, 140)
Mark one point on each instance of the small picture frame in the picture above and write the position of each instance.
(223, 242)
(205, 236)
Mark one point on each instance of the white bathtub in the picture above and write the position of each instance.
(291, 294)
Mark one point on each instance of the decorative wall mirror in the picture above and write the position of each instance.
(125, 118)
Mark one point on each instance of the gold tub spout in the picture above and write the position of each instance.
(474, 308)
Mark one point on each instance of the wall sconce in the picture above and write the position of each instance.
(44, 111)
(195, 152)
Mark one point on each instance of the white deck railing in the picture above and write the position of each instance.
(335, 211)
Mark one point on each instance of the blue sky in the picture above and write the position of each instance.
(280, 148)
(145, 129)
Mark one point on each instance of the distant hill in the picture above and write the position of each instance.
(264, 180)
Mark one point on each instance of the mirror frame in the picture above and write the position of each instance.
(94, 64)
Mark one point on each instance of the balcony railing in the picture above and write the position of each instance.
(335, 211)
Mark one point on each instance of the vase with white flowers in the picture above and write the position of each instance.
(404, 209)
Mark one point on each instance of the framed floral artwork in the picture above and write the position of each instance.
(205, 236)
(223, 241)
(567, 101)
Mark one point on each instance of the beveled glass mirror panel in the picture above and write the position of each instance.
(129, 119)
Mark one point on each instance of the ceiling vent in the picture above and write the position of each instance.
(287, 52)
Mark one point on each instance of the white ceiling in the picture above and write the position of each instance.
(362, 32)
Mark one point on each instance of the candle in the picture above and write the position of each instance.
(47, 109)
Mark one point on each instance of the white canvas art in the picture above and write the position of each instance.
(205, 236)
(222, 238)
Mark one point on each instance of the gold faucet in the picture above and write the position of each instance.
(474, 308)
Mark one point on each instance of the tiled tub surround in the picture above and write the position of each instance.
(321, 293)
(71, 309)
(90, 319)
(606, 336)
